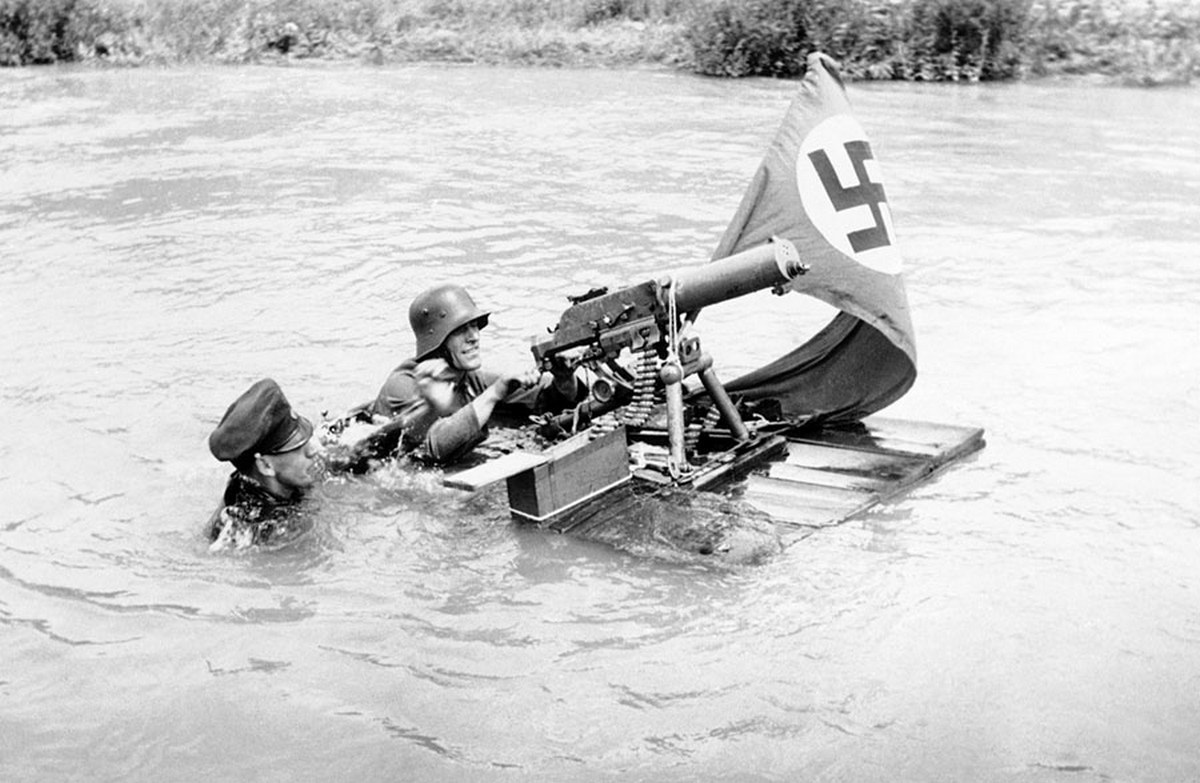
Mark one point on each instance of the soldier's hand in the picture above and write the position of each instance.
(510, 383)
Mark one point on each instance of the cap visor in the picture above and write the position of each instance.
(299, 436)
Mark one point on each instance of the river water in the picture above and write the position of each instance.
(169, 236)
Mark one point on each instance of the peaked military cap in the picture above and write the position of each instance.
(261, 421)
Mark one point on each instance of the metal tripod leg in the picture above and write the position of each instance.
(720, 398)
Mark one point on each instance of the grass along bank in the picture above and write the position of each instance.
(1134, 41)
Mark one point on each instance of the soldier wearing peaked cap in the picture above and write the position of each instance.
(447, 323)
(273, 455)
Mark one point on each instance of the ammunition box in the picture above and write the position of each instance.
(576, 470)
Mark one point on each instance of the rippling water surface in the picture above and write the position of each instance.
(168, 236)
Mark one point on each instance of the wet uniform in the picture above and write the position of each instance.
(448, 438)
(249, 514)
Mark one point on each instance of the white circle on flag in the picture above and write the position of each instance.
(841, 188)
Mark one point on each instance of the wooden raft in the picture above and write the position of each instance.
(821, 477)
(832, 474)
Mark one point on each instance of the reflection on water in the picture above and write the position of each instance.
(168, 236)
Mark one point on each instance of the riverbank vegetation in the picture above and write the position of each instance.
(1137, 41)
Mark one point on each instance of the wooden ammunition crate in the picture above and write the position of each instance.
(574, 471)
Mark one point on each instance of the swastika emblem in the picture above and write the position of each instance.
(864, 193)
(842, 191)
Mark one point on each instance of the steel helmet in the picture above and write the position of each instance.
(438, 311)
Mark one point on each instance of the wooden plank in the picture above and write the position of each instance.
(739, 461)
(951, 441)
(828, 478)
(941, 442)
(494, 470)
(811, 494)
(865, 463)
(790, 534)
(790, 516)
(805, 504)
(839, 459)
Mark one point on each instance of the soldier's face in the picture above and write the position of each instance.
(462, 347)
(296, 469)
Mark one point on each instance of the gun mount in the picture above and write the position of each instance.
(639, 345)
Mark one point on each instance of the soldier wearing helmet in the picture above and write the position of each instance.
(446, 323)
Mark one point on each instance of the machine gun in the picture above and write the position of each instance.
(639, 345)
(649, 326)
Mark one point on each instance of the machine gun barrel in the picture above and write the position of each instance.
(766, 266)
(637, 315)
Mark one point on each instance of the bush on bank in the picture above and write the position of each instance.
(950, 40)
(1143, 41)
(915, 40)
(32, 32)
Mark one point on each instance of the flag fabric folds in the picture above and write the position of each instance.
(820, 187)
